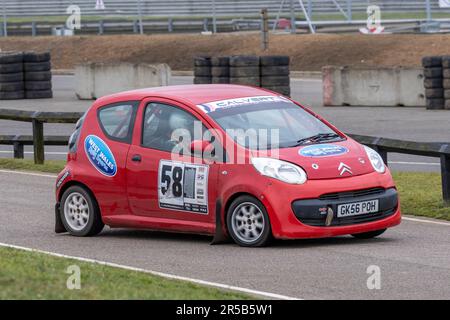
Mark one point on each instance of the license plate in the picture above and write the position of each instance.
(357, 208)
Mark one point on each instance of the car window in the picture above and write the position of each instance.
(160, 123)
(117, 121)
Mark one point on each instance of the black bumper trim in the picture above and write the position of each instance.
(312, 212)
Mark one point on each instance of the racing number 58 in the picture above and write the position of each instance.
(172, 177)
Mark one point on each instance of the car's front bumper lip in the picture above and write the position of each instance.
(313, 212)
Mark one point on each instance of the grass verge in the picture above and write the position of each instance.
(420, 192)
(35, 276)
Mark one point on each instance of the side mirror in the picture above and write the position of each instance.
(200, 147)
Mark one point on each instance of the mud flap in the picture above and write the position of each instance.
(59, 226)
(220, 237)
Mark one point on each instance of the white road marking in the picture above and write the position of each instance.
(156, 273)
(426, 221)
(415, 163)
(31, 152)
(29, 173)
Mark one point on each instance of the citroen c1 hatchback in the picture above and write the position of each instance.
(224, 160)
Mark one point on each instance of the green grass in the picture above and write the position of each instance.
(50, 166)
(421, 194)
(31, 275)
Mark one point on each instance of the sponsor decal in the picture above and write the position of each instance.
(61, 180)
(183, 186)
(238, 102)
(322, 150)
(100, 156)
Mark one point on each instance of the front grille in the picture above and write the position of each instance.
(352, 194)
(320, 221)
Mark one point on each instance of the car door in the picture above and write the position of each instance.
(159, 184)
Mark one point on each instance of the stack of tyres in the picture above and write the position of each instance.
(202, 70)
(11, 76)
(244, 70)
(37, 75)
(275, 74)
(446, 81)
(434, 91)
(220, 69)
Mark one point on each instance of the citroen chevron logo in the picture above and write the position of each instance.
(343, 168)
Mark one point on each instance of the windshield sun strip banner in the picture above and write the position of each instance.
(238, 102)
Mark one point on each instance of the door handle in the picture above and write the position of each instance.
(136, 158)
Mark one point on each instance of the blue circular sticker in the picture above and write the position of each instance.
(322, 150)
(100, 156)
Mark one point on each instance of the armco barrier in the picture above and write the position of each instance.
(382, 145)
(378, 86)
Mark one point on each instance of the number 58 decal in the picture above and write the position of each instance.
(183, 186)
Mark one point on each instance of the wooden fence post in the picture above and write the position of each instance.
(38, 141)
(445, 174)
(18, 150)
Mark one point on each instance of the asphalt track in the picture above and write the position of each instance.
(413, 258)
(415, 124)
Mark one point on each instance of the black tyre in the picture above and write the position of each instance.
(434, 93)
(369, 235)
(432, 72)
(15, 95)
(435, 104)
(202, 80)
(248, 81)
(37, 66)
(41, 94)
(275, 81)
(38, 85)
(220, 71)
(11, 77)
(446, 83)
(220, 61)
(275, 60)
(38, 76)
(275, 71)
(202, 61)
(11, 86)
(248, 222)
(446, 61)
(80, 213)
(447, 94)
(428, 62)
(202, 71)
(283, 90)
(446, 73)
(244, 72)
(11, 57)
(36, 57)
(432, 83)
(244, 61)
(11, 68)
(217, 80)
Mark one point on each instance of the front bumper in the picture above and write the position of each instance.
(313, 212)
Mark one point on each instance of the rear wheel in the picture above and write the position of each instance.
(80, 213)
(369, 235)
(248, 222)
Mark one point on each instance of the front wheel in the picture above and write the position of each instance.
(369, 235)
(248, 222)
(80, 213)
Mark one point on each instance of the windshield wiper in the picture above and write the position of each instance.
(318, 137)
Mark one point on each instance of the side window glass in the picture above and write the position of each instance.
(161, 121)
(117, 121)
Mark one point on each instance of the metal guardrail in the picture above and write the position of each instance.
(384, 146)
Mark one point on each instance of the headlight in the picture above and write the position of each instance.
(281, 170)
(376, 160)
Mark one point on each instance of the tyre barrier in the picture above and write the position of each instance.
(37, 75)
(25, 75)
(434, 92)
(202, 70)
(446, 81)
(11, 76)
(269, 72)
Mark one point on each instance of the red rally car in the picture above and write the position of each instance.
(223, 160)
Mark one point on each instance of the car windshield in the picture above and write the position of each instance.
(277, 123)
